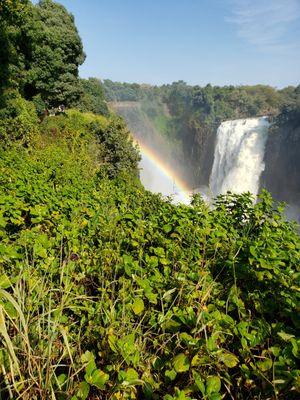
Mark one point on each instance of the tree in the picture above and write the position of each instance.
(13, 45)
(56, 52)
(92, 98)
(12, 9)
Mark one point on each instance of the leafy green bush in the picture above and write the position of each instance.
(18, 120)
(120, 153)
(92, 98)
(109, 137)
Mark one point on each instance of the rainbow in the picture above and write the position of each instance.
(182, 190)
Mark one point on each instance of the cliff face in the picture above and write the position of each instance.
(199, 149)
(282, 165)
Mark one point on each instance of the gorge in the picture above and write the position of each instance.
(238, 155)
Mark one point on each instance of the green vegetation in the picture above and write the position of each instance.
(156, 111)
(110, 292)
(41, 52)
(282, 159)
(107, 290)
(18, 119)
(117, 91)
(210, 104)
(290, 111)
(92, 98)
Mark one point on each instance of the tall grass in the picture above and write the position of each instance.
(36, 345)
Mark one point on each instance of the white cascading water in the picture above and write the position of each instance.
(239, 156)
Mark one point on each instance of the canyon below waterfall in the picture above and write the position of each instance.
(242, 155)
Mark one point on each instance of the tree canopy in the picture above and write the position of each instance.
(40, 51)
(92, 98)
(55, 54)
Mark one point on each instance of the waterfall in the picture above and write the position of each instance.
(239, 156)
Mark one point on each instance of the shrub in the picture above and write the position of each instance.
(18, 120)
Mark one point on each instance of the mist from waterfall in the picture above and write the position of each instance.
(160, 168)
(237, 163)
(239, 156)
(153, 180)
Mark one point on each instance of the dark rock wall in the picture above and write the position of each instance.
(282, 164)
(201, 154)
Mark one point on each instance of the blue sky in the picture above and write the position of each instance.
(199, 41)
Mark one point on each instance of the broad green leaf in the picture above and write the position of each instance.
(215, 396)
(295, 349)
(112, 341)
(83, 391)
(138, 306)
(99, 379)
(40, 251)
(128, 349)
(253, 251)
(285, 336)
(159, 251)
(181, 363)
(90, 367)
(3, 222)
(229, 359)
(275, 350)
(167, 228)
(152, 297)
(199, 382)
(264, 365)
(87, 356)
(61, 379)
(4, 282)
(168, 293)
(213, 384)
(132, 374)
(171, 374)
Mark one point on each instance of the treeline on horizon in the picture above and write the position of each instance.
(211, 103)
(208, 106)
(108, 291)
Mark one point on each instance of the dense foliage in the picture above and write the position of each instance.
(18, 119)
(108, 291)
(210, 104)
(55, 55)
(282, 159)
(13, 15)
(92, 98)
(40, 52)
